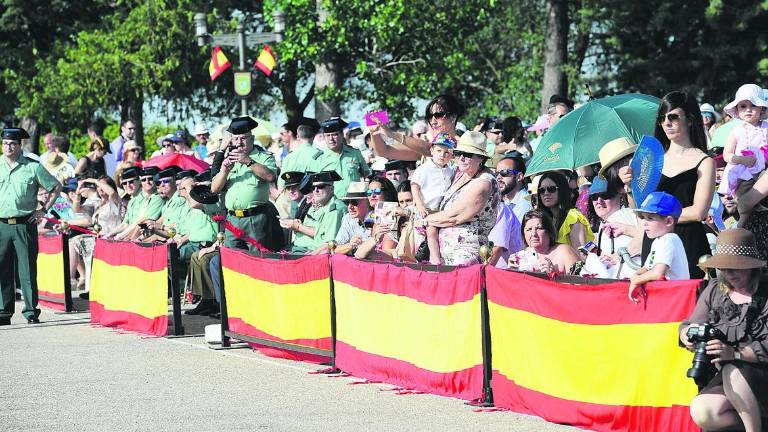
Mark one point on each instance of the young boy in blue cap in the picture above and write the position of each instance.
(658, 215)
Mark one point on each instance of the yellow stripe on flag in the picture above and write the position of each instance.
(433, 337)
(620, 364)
(50, 273)
(267, 59)
(129, 289)
(264, 305)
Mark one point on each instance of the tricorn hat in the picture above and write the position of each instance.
(242, 125)
(203, 194)
(735, 249)
(333, 124)
(15, 134)
(292, 178)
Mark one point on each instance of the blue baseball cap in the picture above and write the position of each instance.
(661, 203)
(445, 140)
(599, 185)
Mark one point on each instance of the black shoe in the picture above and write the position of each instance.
(205, 307)
(215, 315)
(85, 295)
(33, 320)
(5, 321)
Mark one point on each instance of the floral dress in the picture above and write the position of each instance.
(460, 244)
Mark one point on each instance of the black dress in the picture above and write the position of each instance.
(693, 234)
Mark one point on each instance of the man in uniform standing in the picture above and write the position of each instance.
(20, 179)
(245, 175)
(324, 218)
(348, 162)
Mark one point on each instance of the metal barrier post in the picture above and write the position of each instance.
(173, 281)
(485, 326)
(225, 339)
(67, 276)
(332, 249)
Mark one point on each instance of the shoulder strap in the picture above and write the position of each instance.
(702, 160)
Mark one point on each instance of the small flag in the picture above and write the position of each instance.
(266, 61)
(219, 63)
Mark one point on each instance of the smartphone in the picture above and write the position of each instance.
(382, 116)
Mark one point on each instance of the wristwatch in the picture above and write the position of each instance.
(736, 354)
(250, 163)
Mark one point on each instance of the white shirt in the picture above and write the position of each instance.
(521, 205)
(433, 181)
(668, 249)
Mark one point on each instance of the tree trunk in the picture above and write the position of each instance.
(555, 51)
(32, 127)
(326, 77)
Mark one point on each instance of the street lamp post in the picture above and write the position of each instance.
(241, 41)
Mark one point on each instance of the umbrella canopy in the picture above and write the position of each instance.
(576, 139)
(722, 132)
(180, 160)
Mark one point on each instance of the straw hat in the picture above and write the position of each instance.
(128, 146)
(355, 191)
(613, 151)
(472, 142)
(750, 92)
(736, 249)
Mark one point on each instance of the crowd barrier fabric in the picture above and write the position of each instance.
(285, 301)
(587, 356)
(415, 329)
(129, 287)
(52, 273)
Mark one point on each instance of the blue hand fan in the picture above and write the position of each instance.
(646, 167)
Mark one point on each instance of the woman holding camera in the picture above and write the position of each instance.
(736, 305)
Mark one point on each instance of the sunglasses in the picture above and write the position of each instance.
(461, 154)
(509, 172)
(134, 150)
(376, 191)
(672, 117)
(169, 145)
(548, 189)
(146, 179)
(320, 187)
(437, 115)
(127, 182)
(353, 203)
(603, 195)
(164, 182)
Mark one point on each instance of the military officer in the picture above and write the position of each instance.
(245, 175)
(145, 205)
(348, 162)
(20, 179)
(324, 218)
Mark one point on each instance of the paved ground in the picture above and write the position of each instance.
(65, 375)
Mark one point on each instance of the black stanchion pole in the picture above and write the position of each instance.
(225, 340)
(173, 259)
(67, 276)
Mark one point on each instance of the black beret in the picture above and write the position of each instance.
(292, 178)
(15, 134)
(203, 194)
(555, 99)
(395, 165)
(149, 171)
(242, 125)
(325, 177)
(333, 124)
(185, 173)
(130, 173)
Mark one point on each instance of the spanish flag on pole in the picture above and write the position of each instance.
(266, 61)
(219, 63)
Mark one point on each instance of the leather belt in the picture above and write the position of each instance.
(247, 212)
(16, 220)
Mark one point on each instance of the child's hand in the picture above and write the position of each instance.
(423, 212)
(635, 291)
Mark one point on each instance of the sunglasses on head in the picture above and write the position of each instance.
(509, 172)
(669, 117)
(437, 115)
(376, 191)
(603, 195)
(320, 187)
(548, 189)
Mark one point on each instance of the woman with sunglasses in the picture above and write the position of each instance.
(556, 198)
(131, 157)
(469, 208)
(542, 252)
(380, 189)
(688, 173)
(441, 115)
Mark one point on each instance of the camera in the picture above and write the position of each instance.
(702, 370)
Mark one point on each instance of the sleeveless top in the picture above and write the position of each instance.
(693, 235)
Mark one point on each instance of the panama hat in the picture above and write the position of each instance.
(614, 151)
(750, 92)
(735, 249)
(708, 108)
(355, 191)
(472, 142)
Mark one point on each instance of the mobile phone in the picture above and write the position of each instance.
(381, 116)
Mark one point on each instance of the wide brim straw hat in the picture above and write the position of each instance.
(735, 249)
(129, 145)
(613, 151)
(472, 142)
(708, 108)
(751, 92)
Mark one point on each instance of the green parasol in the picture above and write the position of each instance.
(722, 132)
(576, 139)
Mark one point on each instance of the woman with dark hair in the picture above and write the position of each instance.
(556, 199)
(514, 138)
(92, 164)
(688, 173)
(441, 114)
(543, 253)
(380, 189)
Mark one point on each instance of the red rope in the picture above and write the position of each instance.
(72, 227)
(240, 233)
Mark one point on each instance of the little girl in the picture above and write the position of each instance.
(747, 144)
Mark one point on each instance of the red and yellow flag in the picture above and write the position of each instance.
(219, 63)
(266, 61)
(50, 271)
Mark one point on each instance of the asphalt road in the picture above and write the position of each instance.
(64, 375)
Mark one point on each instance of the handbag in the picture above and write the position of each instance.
(406, 246)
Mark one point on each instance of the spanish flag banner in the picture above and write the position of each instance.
(266, 61)
(129, 287)
(50, 271)
(219, 63)
(587, 356)
(411, 328)
(286, 301)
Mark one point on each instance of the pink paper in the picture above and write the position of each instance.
(382, 116)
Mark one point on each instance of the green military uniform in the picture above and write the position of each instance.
(143, 207)
(326, 220)
(299, 160)
(18, 201)
(248, 206)
(201, 229)
(175, 212)
(350, 165)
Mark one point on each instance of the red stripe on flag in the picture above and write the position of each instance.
(147, 258)
(465, 384)
(596, 417)
(458, 285)
(51, 305)
(240, 326)
(302, 270)
(669, 301)
(128, 321)
(49, 245)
